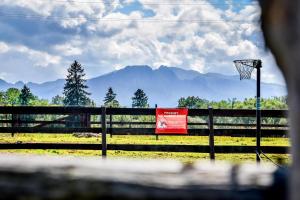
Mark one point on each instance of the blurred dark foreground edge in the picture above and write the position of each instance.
(43, 177)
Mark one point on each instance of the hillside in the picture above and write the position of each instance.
(164, 86)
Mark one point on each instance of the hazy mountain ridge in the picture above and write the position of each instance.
(164, 86)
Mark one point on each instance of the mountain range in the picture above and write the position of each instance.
(164, 86)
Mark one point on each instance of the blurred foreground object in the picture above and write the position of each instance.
(43, 177)
(281, 28)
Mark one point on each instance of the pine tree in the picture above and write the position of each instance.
(26, 96)
(140, 99)
(12, 96)
(75, 87)
(57, 100)
(2, 98)
(110, 98)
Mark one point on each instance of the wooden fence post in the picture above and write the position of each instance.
(110, 125)
(211, 133)
(88, 120)
(82, 120)
(13, 124)
(104, 130)
(155, 119)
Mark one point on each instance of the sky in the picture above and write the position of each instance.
(39, 39)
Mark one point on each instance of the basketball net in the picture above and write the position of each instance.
(246, 67)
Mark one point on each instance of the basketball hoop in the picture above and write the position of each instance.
(246, 67)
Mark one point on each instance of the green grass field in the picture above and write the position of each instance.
(185, 157)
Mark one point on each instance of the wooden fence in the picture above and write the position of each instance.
(68, 120)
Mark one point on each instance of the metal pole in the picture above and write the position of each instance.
(258, 113)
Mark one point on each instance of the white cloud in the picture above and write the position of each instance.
(3, 75)
(3, 47)
(39, 58)
(198, 65)
(68, 49)
(190, 35)
(70, 23)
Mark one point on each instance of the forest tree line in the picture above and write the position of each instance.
(75, 94)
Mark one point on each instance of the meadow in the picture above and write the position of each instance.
(184, 157)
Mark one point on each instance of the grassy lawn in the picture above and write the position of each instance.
(185, 157)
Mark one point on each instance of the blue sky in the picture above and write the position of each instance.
(39, 39)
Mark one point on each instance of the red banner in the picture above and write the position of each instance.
(171, 121)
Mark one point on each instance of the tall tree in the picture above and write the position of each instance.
(110, 98)
(75, 87)
(12, 96)
(25, 96)
(2, 98)
(57, 100)
(192, 102)
(140, 99)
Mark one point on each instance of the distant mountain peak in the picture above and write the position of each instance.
(137, 67)
(19, 84)
(163, 67)
(3, 81)
(163, 86)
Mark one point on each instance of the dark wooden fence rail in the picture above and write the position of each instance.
(79, 120)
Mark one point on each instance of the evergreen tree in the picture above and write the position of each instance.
(110, 98)
(12, 96)
(192, 102)
(26, 96)
(91, 103)
(75, 87)
(2, 98)
(140, 99)
(57, 100)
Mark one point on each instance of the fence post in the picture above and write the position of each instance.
(13, 124)
(110, 124)
(211, 133)
(104, 130)
(82, 120)
(88, 120)
(18, 121)
(155, 119)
